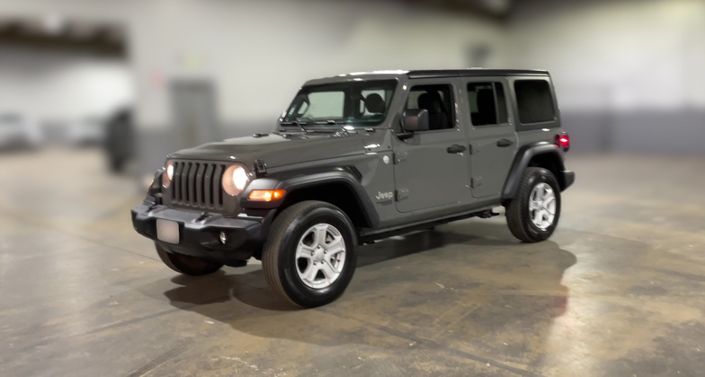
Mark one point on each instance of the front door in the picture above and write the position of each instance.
(492, 136)
(430, 168)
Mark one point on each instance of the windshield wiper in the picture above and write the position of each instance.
(331, 122)
(299, 122)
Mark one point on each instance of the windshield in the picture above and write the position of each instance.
(363, 103)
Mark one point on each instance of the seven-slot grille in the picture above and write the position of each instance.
(198, 184)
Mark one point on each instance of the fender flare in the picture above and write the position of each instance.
(521, 162)
(294, 181)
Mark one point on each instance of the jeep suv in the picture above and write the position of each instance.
(356, 158)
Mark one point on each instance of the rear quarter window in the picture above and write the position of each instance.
(534, 101)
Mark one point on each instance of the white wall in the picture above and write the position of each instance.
(613, 60)
(629, 74)
(259, 53)
(62, 87)
(616, 54)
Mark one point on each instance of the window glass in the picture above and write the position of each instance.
(437, 100)
(324, 105)
(534, 101)
(363, 103)
(487, 103)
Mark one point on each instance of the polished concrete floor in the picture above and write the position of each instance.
(618, 291)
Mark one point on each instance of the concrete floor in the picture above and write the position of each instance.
(618, 290)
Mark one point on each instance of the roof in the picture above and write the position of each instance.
(431, 73)
(473, 72)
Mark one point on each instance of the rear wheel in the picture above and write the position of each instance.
(187, 264)
(533, 214)
(309, 257)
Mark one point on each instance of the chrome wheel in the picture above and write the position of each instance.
(542, 206)
(320, 256)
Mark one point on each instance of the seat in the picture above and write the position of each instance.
(432, 102)
(486, 111)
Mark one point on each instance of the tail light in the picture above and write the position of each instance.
(563, 142)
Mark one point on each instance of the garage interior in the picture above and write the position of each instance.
(617, 291)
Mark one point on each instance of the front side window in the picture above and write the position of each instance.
(535, 101)
(363, 103)
(487, 103)
(437, 100)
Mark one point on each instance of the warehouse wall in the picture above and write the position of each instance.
(259, 53)
(629, 74)
(51, 87)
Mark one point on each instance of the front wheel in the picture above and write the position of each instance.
(309, 257)
(533, 214)
(186, 264)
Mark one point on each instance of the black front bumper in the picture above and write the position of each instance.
(199, 232)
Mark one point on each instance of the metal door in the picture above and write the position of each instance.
(430, 168)
(492, 144)
(194, 112)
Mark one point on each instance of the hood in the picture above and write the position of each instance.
(279, 149)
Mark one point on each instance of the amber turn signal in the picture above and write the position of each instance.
(266, 195)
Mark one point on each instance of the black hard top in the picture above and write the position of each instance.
(430, 73)
(473, 72)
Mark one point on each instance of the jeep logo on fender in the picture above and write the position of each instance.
(384, 196)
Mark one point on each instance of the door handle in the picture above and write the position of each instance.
(456, 148)
(504, 143)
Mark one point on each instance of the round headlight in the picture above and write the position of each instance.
(235, 179)
(168, 173)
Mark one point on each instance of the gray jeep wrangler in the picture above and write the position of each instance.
(357, 158)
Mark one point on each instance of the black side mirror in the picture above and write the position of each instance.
(415, 120)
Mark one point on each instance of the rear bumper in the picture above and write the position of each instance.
(568, 178)
(199, 232)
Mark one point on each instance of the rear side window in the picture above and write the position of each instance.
(487, 103)
(534, 101)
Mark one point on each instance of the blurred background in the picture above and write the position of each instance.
(122, 83)
(95, 93)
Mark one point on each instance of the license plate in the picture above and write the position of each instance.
(168, 231)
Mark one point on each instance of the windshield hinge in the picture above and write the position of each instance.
(399, 157)
(260, 168)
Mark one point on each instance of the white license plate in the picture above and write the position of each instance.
(168, 231)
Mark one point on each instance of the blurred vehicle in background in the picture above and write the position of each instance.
(119, 137)
(85, 132)
(17, 132)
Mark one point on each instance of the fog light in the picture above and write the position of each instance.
(223, 238)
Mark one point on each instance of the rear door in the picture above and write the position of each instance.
(430, 168)
(491, 132)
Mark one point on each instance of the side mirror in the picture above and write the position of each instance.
(415, 120)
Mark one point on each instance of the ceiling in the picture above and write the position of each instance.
(55, 32)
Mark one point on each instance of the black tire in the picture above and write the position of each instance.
(186, 264)
(518, 213)
(279, 260)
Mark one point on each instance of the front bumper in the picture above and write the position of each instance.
(199, 232)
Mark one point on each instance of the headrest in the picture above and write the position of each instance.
(375, 103)
(430, 101)
(485, 98)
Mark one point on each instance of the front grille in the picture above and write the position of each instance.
(197, 184)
